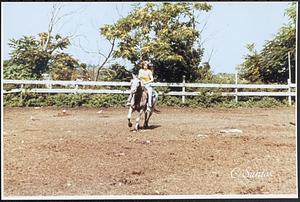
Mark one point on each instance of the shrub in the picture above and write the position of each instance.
(106, 100)
(265, 102)
(62, 100)
(117, 100)
(268, 102)
(12, 100)
(206, 98)
(168, 100)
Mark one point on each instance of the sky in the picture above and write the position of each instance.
(227, 28)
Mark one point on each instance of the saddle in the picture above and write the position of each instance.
(154, 94)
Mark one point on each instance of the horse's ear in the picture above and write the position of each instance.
(134, 76)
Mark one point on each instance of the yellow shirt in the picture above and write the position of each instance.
(145, 75)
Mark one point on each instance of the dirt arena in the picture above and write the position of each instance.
(185, 152)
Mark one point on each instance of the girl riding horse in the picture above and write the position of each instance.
(146, 76)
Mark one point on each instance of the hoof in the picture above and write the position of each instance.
(129, 124)
(137, 127)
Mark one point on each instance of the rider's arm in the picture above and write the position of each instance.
(139, 75)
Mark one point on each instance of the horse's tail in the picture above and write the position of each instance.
(155, 94)
(155, 109)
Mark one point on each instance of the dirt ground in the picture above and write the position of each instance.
(185, 152)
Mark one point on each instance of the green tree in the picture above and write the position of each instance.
(28, 54)
(120, 73)
(31, 57)
(13, 71)
(163, 33)
(251, 68)
(205, 72)
(271, 64)
(63, 67)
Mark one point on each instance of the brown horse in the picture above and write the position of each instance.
(139, 103)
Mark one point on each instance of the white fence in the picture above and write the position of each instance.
(290, 89)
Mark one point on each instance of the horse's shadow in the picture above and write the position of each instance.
(151, 127)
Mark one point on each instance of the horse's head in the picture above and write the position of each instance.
(135, 83)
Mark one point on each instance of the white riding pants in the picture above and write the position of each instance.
(149, 89)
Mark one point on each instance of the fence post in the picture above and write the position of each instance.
(76, 86)
(236, 90)
(183, 89)
(21, 97)
(290, 71)
(289, 79)
(289, 92)
(49, 86)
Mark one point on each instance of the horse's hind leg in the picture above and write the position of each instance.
(129, 116)
(137, 121)
(145, 121)
(154, 101)
(129, 123)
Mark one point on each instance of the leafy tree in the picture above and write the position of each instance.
(163, 33)
(205, 72)
(120, 73)
(271, 64)
(63, 66)
(251, 68)
(13, 71)
(33, 56)
(275, 57)
(83, 72)
(27, 52)
(30, 58)
(115, 72)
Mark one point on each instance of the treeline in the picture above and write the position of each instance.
(270, 65)
(163, 33)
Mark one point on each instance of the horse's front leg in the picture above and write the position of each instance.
(129, 116)
(137, 120)
(145, 121)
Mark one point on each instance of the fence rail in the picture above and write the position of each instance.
(106, 83)
(75, 88)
